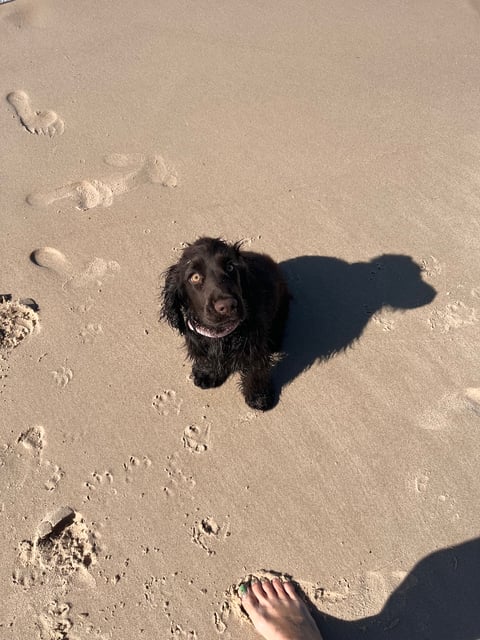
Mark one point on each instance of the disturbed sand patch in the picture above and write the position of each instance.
(63, 545)
(18, 320)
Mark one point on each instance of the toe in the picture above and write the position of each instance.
(269, 589)
(290, 590)
(249, 600)
(258, 590)
(279, 587)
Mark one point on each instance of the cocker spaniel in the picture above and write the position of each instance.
(231, 305)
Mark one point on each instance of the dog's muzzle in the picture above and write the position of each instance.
(213, 333)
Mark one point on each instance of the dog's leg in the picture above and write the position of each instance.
(278, 327)
(257, 388)
(206, 377)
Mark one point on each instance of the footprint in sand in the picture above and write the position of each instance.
(167, 402)
(133, 464)
(177, 631)
(56, 476)
(22, 461)
(207, 532)
(88, 194)
(134, 471)
(431, 267)
(455, 315)
(97, 481)
(384, 320)
(33, 440)
(179, 483)
(63, 546)
(57, 263)
(421, 482)
(17, 321)
(90, 332)
(39, 122)
(196, 438)
(53, 260)
(62, 376)
(55, 621)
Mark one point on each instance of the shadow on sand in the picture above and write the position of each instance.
(332, 302)
(438, 600)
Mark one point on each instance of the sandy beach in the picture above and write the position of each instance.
(340, 138)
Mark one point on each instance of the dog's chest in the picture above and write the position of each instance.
(225, 350)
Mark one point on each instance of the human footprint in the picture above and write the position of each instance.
(46, 122)
(88, 194)
(277, 611)
(92, 275)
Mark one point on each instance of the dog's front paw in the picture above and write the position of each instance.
(262, 400)
(206, 379)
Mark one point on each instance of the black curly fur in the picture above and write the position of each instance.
(260, 304)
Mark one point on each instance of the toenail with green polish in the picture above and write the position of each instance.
(242, 590)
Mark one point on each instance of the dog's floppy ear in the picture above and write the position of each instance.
(236, 246)
(241, 261)
(172, 299)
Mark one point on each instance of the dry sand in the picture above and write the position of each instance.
(342, 138)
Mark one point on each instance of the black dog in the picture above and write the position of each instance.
(231, 306)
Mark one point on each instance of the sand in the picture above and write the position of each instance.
(341, 138)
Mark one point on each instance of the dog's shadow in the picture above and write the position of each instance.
(332, 302)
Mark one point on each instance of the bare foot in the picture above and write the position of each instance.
(277, 611)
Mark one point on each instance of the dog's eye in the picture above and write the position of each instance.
(230, 268)
(195, 278)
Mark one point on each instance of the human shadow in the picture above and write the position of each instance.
(437, 600)
(333, 300)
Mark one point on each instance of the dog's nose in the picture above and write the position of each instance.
(225, 306)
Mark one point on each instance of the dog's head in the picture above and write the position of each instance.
(203, 290)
